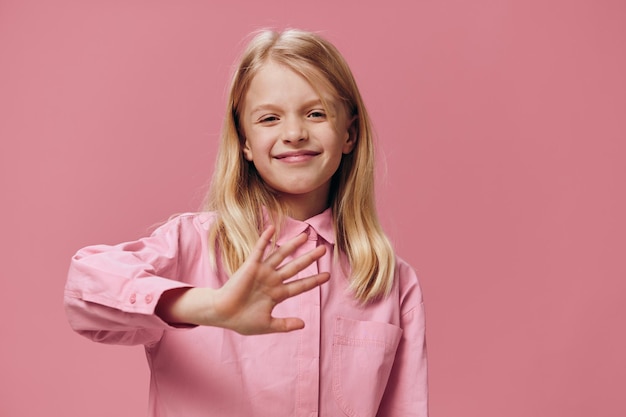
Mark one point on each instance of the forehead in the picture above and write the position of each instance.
(277, 81)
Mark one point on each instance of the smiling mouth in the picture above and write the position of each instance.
(297, 156)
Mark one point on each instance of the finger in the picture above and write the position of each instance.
(288, 324)
(299, 286)
(279, 255)
(259, 247)
(298, 264)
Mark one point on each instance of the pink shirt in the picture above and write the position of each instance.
(349, 360)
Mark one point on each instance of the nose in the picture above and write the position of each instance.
(294, 130)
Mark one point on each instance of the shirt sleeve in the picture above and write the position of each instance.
(407, 389)
(112, 291)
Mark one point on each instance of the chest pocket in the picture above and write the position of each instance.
(363, 353)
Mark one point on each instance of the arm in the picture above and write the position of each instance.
(111, 291)
(407, 389)
(130, 293)
(407, 392)
(245, 303)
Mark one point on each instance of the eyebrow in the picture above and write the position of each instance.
(309, 103)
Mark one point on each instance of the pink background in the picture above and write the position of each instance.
(502, 127)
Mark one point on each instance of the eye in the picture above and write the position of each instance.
(268, 119)
(317, 114)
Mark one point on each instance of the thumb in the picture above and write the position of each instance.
(288, 324)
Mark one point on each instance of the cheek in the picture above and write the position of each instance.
(262, 139)
(334, 161)
(256, 146)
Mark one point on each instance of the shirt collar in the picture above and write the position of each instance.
(322, 224)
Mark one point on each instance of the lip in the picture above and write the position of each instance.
(296, 156)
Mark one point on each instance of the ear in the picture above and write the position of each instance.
(247, 152)
(350, 136)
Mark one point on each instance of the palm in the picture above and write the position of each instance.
(246, 301)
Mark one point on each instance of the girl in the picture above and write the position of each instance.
(283, 297)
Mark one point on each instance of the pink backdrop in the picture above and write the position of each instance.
(503, 128)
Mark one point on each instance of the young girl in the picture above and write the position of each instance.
(283, 297)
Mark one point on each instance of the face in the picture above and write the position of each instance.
(295, 143)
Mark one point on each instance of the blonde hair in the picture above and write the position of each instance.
(238, 193)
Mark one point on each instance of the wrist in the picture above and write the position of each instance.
(174, 306)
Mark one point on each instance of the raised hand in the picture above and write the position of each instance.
(245, 303)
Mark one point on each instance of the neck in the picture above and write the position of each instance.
(302, 207)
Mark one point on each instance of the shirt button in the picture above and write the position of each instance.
(148, 298)
(133, 298)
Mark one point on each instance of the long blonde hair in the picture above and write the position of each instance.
(238, 193)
